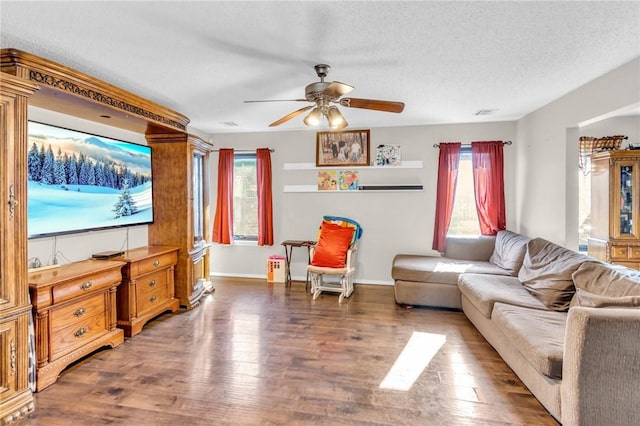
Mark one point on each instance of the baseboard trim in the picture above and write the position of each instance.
(294, 278)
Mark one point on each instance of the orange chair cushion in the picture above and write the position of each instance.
(331, 250)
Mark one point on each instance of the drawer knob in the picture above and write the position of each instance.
(81, 332)
(152, 283)
(156, 262)
(86, 286)
(152, 298)
(79, 312)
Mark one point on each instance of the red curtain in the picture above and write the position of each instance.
(446, 191)
(488, 182)
(265, 209)
(223, 221)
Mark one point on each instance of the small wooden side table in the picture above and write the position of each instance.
(288, 249)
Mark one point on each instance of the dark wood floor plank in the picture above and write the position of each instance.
(261, 354)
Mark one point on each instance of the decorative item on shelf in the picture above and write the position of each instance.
(327, 180)
(348, 180)
(387, 155)
(344, 148)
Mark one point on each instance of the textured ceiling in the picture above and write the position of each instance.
(445, 60)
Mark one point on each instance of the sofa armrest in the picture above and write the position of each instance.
(470, 248)
(601, 367)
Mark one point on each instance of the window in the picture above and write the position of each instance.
(584, 210)
(245, 197)
(464, 219)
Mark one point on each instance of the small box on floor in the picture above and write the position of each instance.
(276, 269)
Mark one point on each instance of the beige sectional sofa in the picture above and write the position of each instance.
(567, 324)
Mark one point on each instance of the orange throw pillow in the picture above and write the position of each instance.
(331, 250)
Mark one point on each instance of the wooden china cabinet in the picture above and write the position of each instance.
(615, 207)
(16, 399)
(182, 217)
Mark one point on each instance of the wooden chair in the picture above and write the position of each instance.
(340, 278)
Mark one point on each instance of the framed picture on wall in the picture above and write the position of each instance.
(343, 148)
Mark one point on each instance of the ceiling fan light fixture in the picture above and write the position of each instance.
(335, 118)
(313, 118)
(340, 125)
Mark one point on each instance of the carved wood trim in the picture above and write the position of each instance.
(64, 79)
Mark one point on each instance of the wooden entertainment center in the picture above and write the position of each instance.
(181, 222)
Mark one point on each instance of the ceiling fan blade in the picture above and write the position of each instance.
(378, 105)
(335, 89)
(290, 116)
(277, 100)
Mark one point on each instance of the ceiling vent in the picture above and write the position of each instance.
(484, 111)
(230, 124)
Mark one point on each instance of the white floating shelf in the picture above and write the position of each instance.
(311, 166)
(314, 188)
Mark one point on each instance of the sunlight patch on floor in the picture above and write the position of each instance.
(415, 357)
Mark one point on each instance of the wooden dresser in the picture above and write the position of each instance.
(74, 310)
(148, 286)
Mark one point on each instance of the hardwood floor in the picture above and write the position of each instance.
(260, 354)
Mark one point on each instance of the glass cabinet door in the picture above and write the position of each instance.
(626, 211)
(626, 200)
(198, 197)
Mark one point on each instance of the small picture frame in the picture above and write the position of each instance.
(343, 148)
(388, 155)
(348, 180)
(327, 180)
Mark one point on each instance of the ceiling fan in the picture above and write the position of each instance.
(325, 93)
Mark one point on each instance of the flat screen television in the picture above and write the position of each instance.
(78, 182)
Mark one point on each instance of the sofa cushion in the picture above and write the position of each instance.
(538, 335)
(470, 248)
(509, 251)
(607, 280)
(592, 300)
(546, 272)
(483, 291)
(431, 269)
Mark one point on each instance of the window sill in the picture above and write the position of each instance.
(245, 242)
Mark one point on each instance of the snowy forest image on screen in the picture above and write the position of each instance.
(78, 181)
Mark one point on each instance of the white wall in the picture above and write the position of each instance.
(544, 175)
(539, 183)
(75, 247)
(393, 222)
(625, 125)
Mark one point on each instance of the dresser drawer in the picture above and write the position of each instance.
(151, 282)
(85, 285)
(619, 252)
(151, 298)
(76, 335)
(634, 253)
(76, 313)
(153, 263)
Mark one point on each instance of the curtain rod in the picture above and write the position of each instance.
(244, 151)
(437, 145)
